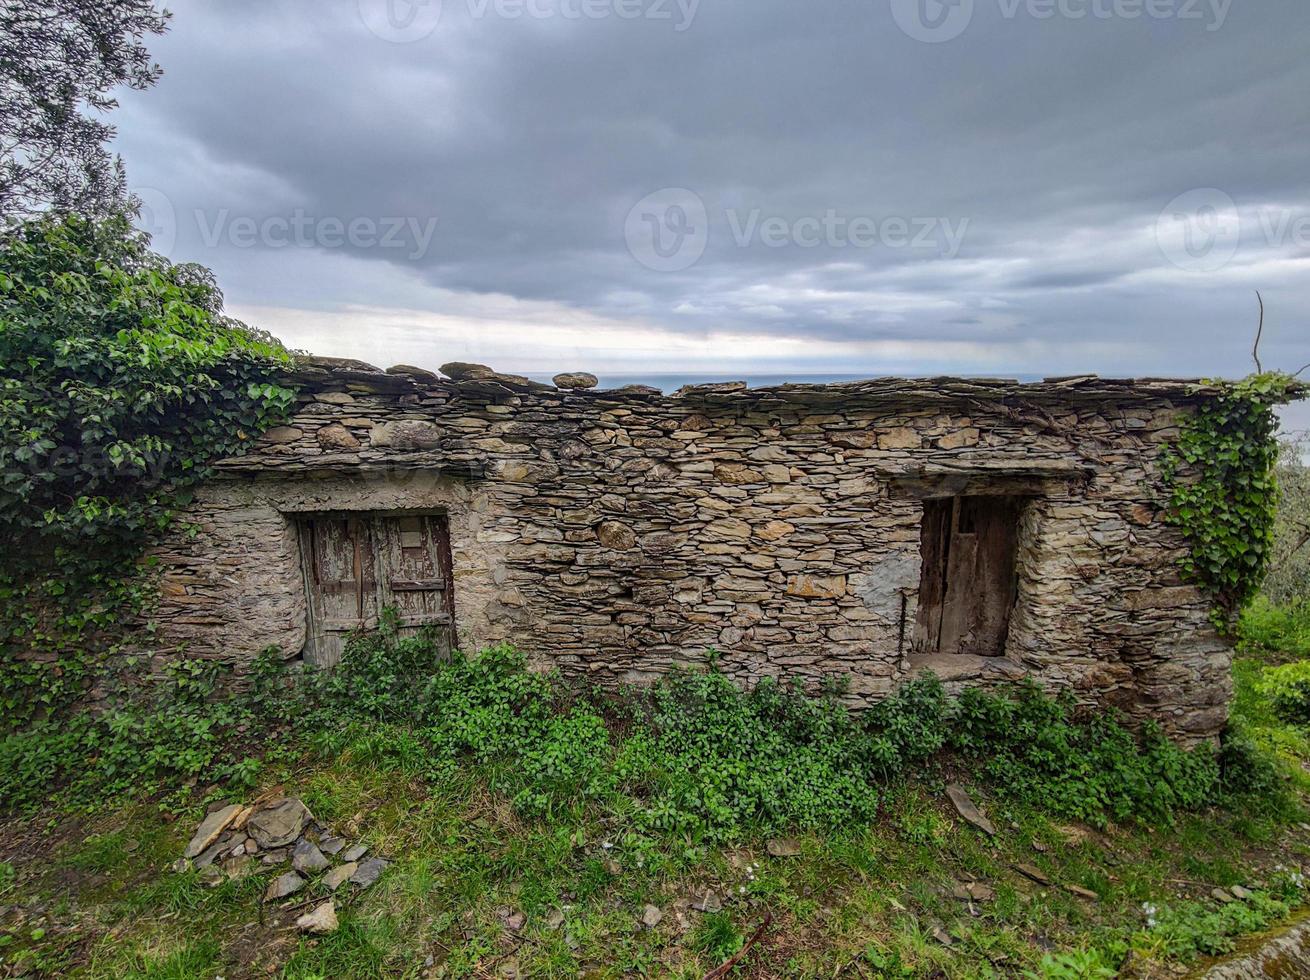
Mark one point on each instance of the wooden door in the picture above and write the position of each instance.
(938, 516)
(415, 567)
(969, 583)
(341, 584)
(358, 565)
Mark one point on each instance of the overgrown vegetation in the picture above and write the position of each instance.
(495, 790)
(120, 380)
(1272, 631)
(1288, 690)
(694, 757)
(1224, 491)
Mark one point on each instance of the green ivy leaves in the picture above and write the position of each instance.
(1220, 474)
(120, 381)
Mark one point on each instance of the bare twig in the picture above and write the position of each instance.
(724, 968)
(1292, 552)
(1255, 351)
(1302, 371)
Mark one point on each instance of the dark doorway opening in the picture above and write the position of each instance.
(969, 584)
(356, 565)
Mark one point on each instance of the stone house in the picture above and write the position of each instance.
(983, 529)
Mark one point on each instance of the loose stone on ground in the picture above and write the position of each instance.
(965, 807)
(287, 884)
(308, 859)
(337, 877)
(320, 921)
(280, 823)
(210, 829)
(368, 872)
(784, 847)
(228, 841)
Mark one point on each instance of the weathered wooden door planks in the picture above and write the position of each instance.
(358, 565)
(968, 587)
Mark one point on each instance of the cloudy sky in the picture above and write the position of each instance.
(743, 186)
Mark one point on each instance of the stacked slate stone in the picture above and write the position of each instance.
(235, 841)
(614, 534)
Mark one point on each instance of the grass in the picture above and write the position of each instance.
(91, 893)
(877, 896)
(1274, 633)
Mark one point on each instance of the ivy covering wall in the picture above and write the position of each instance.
(120, 380)
(1224, 491)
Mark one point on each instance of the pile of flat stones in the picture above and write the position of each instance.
(235, 841)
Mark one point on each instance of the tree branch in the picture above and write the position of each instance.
(1255, 351)
(725, 968)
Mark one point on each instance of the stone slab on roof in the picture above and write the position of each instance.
(321, 374)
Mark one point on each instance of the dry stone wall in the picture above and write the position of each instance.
(615, 534)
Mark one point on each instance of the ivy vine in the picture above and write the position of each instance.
(1224, 495)
(120, 381)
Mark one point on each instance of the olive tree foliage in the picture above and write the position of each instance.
(1289, 570)
(60, 60)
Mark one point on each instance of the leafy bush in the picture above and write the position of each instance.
(1288, 689)
(175, 734)
(1268, 630)
(714, 760)
(694, 756)
(910, 725)
(1191, 929)
(120, 379)
(1248, 772)
(1030, 745)
(1087, 964)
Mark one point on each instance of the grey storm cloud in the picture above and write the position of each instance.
(810, 171)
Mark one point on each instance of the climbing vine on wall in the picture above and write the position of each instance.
(120, 380)
(1223, 490)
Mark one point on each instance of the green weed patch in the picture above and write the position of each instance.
(693, 757)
